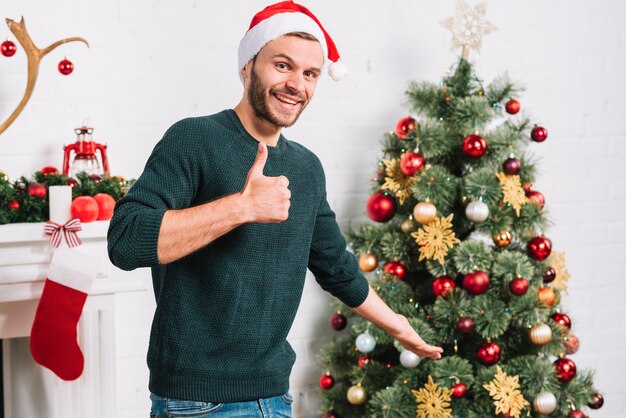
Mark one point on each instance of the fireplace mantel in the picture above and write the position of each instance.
(24, 260)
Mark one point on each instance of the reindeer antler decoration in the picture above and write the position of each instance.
(34, 55)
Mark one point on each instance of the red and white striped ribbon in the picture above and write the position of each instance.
(53, 230)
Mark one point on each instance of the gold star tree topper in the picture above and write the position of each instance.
(436, 239)
(434, 402)
(513, 192)
(468, 27)
(506, 394)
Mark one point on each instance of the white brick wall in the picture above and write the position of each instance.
(153, 62)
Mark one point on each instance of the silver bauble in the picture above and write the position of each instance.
(477, 211)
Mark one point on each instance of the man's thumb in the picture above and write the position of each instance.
(259, 162)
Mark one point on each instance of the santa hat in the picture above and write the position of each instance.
(282, 18)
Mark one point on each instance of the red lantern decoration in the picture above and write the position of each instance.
(476, 282)
(338, 322)
(512, 166)
(48, 170)
(539, 248)
(563, 319)
(442, 285)
(512, 106)
(8, 48)
(518, 286)
(381, 207)
(474, 146)
(565, 369)
(395, 268)
(407, 128)
(465, 325)
(488, 353)
(37, 190)
(539, 134)
(459, 390)
(411, 162)
(327, 381)
(66, 67)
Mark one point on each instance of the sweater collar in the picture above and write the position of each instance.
(276, 150)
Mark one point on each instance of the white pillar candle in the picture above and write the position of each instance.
(60, 198)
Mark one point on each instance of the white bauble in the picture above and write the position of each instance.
(409, 359)
(365, 342)
(545, 403)
(477, 211)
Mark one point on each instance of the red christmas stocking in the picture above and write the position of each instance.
(53, 338)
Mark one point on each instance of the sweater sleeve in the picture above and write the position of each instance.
(169, 181)
(334, 267)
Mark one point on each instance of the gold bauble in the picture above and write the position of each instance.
(407, 226)
(540, 334)
(502, 239)
(546, 296)
(425, 212)
(368, 262)
(356, 395)
(3, 175)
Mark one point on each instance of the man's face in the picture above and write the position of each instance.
(282, 79)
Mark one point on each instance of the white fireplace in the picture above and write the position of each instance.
(29, 390)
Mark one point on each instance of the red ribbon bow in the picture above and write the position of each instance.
(53, 230)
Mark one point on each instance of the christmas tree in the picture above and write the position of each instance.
(459, 248)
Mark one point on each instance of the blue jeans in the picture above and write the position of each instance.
(276, 407)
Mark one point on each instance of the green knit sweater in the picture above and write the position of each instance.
(223, 312)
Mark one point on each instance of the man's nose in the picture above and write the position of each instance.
(296, 82)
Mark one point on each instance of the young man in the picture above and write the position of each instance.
(229, 214)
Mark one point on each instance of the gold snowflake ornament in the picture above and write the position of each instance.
(434, 402)
(513, 192)
(468, 27)
(557, 262)
(396, 181)
(436, 239)
(506, 394)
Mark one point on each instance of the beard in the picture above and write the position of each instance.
(260, 102)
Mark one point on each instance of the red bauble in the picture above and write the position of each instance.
(47, 170)
(476, 282)
(536, 198)
(576, 414)
(381, 207)
(37, 190)
(519, 286)
(331, 414)
(572, 344)
(364, 361)
(511, 166)
(14, 205)
(465, 325)
(474, 146)
(597, 401)
(96, 178)
(327, 381)
(565, 369)
(512, 106)
(539, 134)
(395, 268)
(338, 322)
(8, 48)
(407, 128)
(549, 275)
(539, 248)
(563, 319)
(442, 285)
(411, 162)
(459, 390)
(66, 67)
(84, 208)
(106, 203)
(488, 353)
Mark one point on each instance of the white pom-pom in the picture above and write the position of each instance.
(337, 70)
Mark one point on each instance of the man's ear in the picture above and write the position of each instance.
(245, 71)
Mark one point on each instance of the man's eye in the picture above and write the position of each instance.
(310, 74)
(282, 66)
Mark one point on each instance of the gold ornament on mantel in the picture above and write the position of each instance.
(34, 56)
(468, 27)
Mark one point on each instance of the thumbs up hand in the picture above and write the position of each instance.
(268, 198)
